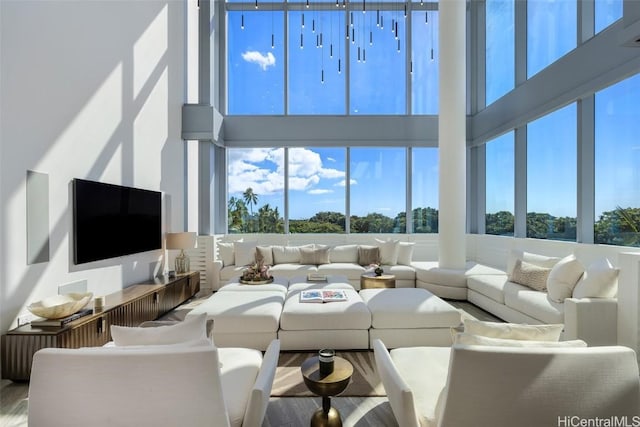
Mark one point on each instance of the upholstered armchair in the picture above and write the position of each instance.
(151, 385)
(473, 385)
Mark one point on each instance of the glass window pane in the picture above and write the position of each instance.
(316, 63)
(551, 32)
(617, 164)
(317, 190)
(551, 176)
(378, 62)
(424, 190)
(255, 66)
(255, 190)
(500, 48)
(607, 12)
(500, 170)
(424, 62)
(378, 190)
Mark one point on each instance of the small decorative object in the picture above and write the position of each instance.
(256, 274)
(182, 241)
(377, 269)
(172, 274)
(98, 303)
(325, 360)
(60, 306)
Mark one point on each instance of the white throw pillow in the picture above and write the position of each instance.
(405, 253)
(563, 277)
(245, 253)
(265, 253)
(600, 280)
(225, 253)
(344, 253)
(193, 328)
(388, 251)
(513, 331)
(531, 258)
(287, 254)
(530, 275)
(469, 339)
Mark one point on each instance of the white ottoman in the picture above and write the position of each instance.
(279, 284)
(243, 319)
(311, 326)
(408, 317)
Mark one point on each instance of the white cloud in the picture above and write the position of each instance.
(319, 191)
(343, 183)
(331, 159)
(264, 61)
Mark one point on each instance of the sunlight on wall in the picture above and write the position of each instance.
(149, 50)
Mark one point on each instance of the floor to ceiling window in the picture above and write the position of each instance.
(617, 164)
(500, 48)
(500, 181)
(424, 190)
(552, 175)
(606, 13)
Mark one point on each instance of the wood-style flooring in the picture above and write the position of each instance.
(282, 412)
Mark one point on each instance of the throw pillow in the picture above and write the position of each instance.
(245, 253)
(405, 253)
(264, 253)
(563, 277)
(368, 255)
(388, 251)
(225, 253)
(530, 275)
(314, 256)
(193, 328)
(470, 339)
(287, 254)
(600, 280)
(531, 258)
(513, 331)
(344, 253)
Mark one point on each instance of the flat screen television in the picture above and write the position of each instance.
(111, 220)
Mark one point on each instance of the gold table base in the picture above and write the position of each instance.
(320, 418)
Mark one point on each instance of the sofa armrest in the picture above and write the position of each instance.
(259, 399)
(594, 320)
(215, 274)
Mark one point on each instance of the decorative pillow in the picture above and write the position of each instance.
(563, 277)
(600, 280)
(344, 253)
(405, 253)
(539, 260)
(315, 256)
(264, 253)
(225, 253)
(470, 339)
(368, 255)
(388, 251)
(513, 331)
(161, 323)
(530, 275)
(193, 328)
(245, 253)
(287, 254)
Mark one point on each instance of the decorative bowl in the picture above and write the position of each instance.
(257, 282)
(60, 306)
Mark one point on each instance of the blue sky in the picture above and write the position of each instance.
(316, 85)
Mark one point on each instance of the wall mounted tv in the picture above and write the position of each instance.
(112, 220)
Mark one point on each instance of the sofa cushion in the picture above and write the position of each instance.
(344, 253)
(489, 285)
(470, 339)
(265, 253)
(314, 256)
(225, 253)
(513, 331)
(351, 271)
(534, 304)
(531, 258)
(402, 272)
(191, 329)
(238, 374)
(245, 252)
(563, 277)
(430, 272)
(405, 253)
(368, 255)
(292, 269)
(232, 272)
(388, 251)
(600, 280)
(530, 275)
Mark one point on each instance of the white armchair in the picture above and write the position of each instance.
(506, 386)
(151, 386)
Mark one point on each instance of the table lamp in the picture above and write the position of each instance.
(182, 241)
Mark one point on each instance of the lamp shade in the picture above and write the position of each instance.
(184, 240)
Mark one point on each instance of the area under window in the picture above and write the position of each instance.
(500, 48)
(500, 170)
(425, 190)
(552, 175)
(617, 164)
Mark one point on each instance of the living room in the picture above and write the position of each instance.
(106, 82)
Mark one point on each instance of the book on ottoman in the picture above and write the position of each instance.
(323, 295)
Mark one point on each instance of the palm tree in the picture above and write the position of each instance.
(250, 198)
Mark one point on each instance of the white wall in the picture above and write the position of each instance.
(87, 90)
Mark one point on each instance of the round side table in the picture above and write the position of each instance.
(326, 386)
(371, 281)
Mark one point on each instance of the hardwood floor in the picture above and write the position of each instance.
(282, 412)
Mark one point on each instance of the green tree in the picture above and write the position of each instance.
(618, 227)
(500, 223)
(425, 220)
(250, 198)
(237, 214)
